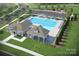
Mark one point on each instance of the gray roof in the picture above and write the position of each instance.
(37, 30)
(12, 26)
(49, 13)
(21, 26)
(26, 24)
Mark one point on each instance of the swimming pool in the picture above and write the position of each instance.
(44, 22)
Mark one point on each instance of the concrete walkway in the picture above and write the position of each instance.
(20, 40)
(8, 38)
(14, 38)
(21, 48)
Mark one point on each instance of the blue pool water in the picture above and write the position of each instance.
(44, 22)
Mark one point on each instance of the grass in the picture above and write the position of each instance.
(13, 51)
(34, 46)
(4, 35)
(6, 9)
(40, 47)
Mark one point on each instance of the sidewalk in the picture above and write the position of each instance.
(8, 38)
(21, 48)
(20, 40)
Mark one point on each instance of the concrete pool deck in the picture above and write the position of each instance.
(56, 29)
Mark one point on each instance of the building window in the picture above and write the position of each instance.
(45, 40)
(41, 39)
(35, 37)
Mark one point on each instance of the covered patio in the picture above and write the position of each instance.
(38, 38)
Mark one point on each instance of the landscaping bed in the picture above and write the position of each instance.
(18, 36)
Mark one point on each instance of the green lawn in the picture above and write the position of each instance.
(4, 35)
(36, 46)
(7, 8)
(13, 51)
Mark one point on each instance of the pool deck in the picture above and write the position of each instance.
(55, 31)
